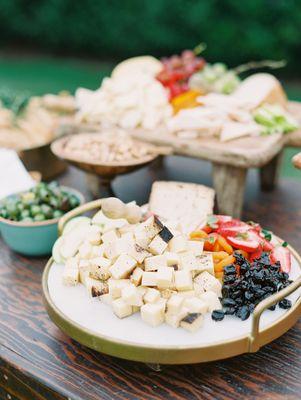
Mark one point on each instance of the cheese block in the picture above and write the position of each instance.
(172, 200)
(137, 65)
(260, 88)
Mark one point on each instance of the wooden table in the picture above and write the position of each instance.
(37, 361)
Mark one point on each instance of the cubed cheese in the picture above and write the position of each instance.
(151, 295)
(196, 246)
(116, 286)
(84, 275)
(94, 238)
(212, 301)
(177, 244)
(195, 305)
(174, 319)
(99, 268)
(157, 245)
(136, 276)
(85, 250)
(172, 260)
(165, 277)
(183, 280)
(174, 304)
(152, 226)
(187, 293)
(121, 309)
(192, 322)
(149, 279)
(205, 263)
(118, 247)
(188, 261)
(154, 263)
(110, 236)
(152, 314)
(106, 299)
(123, 266)
(98, 251)
(165, 234)
(167, 293)
(96, 288)
(207, 282)
(70, 276)
(131, 296)
(138, 253)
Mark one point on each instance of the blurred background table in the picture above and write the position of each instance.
(38, 361)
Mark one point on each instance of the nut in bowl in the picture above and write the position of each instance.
(29, 220)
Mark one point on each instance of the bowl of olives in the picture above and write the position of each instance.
(28, 220)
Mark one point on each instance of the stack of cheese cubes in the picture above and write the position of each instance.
(148, 268)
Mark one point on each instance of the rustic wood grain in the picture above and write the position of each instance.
(40, 362)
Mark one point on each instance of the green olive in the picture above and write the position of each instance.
(25, 214)
(57, 214)
(39, 217)
(35, 210)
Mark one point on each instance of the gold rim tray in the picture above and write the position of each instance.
(247, 343)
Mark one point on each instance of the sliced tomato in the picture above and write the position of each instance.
(231, 228)
(207, 229)
(249, 245)
(281, 254)
(267, 246)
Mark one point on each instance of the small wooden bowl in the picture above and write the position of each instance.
(105, 172)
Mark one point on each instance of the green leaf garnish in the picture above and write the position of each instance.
(267, 234)
(284, 244)
(211, 239)
(199, 48)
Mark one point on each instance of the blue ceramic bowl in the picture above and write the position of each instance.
(33, 238)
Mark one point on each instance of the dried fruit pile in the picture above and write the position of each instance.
(247, 283)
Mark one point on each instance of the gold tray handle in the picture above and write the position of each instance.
(76, 212)
(263, 305)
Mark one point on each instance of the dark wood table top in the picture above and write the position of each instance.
(38, 361)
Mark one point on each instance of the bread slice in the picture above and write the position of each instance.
(188, 204)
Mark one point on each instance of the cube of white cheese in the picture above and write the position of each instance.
(131, 296)
(94, 238)
(207, 282)
(167, 293)
(188, 261)
(196, 246)
(121, 309)
(123, 266)
(195, 305)
(99, 268)
(98, 251)
(165, 277)
(174, 319)
(116, 286)
(174, 304)
(205, 263)
(151, 295)
(119, 246)
(109, 236)
(177, 244)
(212, 301)
(96, 288)
(155, 262)
(172, 259)
(152, 314)
(149, 279)
(138, 252)
(85, 250)
(84, 275)
(152, 226)
(192, 322)
(157, 245)
(70, 276)
(183, 280)
(187, 293)
(136, 276)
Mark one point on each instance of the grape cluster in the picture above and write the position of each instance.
(177, 70)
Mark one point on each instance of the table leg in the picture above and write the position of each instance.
(229, 184)
(269, 174)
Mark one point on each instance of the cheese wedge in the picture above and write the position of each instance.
(172, 200)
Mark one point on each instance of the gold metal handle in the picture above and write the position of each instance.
(263, 305)
(77, 211)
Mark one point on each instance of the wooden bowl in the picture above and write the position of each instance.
(104, 169)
